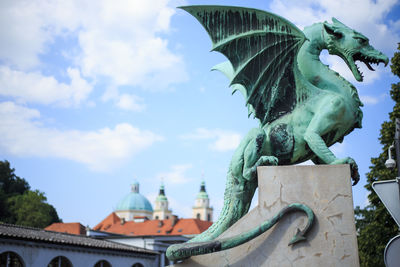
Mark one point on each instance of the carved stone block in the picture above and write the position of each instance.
(332, 241)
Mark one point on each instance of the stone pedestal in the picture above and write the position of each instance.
(332, 241)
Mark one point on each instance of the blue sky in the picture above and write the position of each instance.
(95, 95)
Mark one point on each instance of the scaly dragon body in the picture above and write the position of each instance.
(303, 106)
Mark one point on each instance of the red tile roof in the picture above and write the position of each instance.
(107, 222)
(70, 228)
(172, 226)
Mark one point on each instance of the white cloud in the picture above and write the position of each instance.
(28, 26)
(339, 149)
(120, 41)
(308, 162)
(180, 208)
(22, 134)
(130, 102)
(176, 175)
(372, 100)
(35, 88)
(223, 140)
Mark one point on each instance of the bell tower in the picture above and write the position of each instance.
(161, 211)
(202, 209)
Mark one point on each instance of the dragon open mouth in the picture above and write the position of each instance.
(367, 60)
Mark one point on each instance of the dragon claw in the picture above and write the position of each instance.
(355, 176)
(268, 161)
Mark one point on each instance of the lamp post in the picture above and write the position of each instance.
(390, 162)
(389, 193)
(397, 145)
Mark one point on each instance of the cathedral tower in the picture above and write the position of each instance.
(161, 210)
(202, 209)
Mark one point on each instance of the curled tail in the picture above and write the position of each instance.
(185, 250)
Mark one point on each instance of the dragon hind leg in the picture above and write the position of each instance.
(241, 183)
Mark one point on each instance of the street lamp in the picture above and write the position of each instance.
(389, 193)
(390, 162)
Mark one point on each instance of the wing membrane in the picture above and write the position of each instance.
(262, 48)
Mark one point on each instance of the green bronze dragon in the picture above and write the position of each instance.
(303, 106)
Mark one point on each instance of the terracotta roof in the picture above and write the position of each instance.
(107, 222)
(70, 228)
(40, 235)
(172, 226)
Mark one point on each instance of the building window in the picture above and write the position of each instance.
(10, 259)
(137, 265)
(60, 261)
(209, 217)
(102, 263)
(198, 216)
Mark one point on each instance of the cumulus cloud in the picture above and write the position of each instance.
(22, 134)
(179, 207)
(339, 149)
(130, 102)
(119, 41)
(372, 100)
(176, 174)
(29, 26)
(222, 140)
(33, 87)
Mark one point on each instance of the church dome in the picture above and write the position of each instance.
(161, 195)
(202, 194)
(134, 201)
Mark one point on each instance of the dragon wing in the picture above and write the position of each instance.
(262, 49)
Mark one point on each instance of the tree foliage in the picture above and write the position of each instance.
(19, 204)
(374, 224)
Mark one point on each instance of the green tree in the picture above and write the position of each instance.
(10, 185)
(19, 204)
(374, 224)
(31, 209)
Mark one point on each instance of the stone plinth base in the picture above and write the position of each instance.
(332, 241)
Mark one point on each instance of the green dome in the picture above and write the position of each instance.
(161, 195)
(202, 193)
(134, 201)
(161, 198)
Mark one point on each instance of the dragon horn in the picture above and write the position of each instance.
(335, 21)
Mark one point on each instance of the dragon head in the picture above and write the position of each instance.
(351, 46)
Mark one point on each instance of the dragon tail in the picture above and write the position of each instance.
(186, 250)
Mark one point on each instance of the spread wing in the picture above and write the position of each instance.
(262, 49)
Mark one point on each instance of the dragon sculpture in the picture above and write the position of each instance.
(303, 106)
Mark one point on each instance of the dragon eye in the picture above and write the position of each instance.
(361, 40)
(337, 34)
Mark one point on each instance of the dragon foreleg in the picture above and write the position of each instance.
(324, 122)
(185, 250)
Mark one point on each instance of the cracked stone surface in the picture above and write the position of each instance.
(332, 241)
